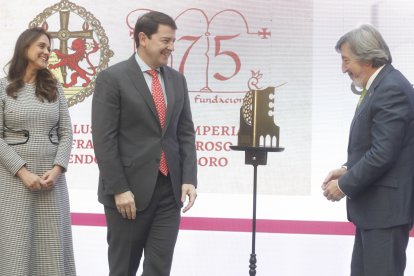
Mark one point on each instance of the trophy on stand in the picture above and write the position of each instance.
(258, 135)
(257, 120)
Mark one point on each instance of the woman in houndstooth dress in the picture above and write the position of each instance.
(35, 144)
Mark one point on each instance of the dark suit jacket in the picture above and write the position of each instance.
(380, 177)
(128, 138)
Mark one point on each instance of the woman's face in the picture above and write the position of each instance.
(38, 53)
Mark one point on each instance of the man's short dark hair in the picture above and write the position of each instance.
(149, 22)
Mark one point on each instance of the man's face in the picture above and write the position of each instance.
(156, 50)
(359, 72)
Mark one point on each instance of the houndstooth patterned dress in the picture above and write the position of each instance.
(35, 227)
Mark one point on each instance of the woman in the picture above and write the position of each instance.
(35, 144)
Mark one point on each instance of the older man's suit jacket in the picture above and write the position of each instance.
(380, 178)
(128, 138)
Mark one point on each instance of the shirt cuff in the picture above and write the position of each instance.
(339, 188)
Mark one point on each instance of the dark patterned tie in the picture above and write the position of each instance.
(159, 102)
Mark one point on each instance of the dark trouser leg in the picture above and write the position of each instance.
(126, 239)
(357, 262)
(159, 248)
(383, 251)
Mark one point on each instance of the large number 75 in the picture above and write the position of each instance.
(218, 52)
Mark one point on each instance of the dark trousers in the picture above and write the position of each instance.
(154, 232)
(380, 252)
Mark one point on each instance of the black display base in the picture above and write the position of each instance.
(255, 156)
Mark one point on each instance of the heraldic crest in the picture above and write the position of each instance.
(81, 48)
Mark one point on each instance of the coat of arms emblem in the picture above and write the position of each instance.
(80, 51)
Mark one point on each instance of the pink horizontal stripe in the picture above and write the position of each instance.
(88, 219)
(241, 225)
(268, 226)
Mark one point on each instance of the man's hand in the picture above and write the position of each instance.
(125, 203)
(330, 185)
(190, 191)
(332, 191)
(333, 175)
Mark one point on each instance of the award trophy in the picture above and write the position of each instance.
(258, 135)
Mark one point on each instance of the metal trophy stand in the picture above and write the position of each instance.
(258, 135)
(255, 156)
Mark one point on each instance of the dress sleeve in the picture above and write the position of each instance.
(8, 156)
(64, 132)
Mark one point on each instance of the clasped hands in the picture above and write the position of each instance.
(330, 185)
(36, 183)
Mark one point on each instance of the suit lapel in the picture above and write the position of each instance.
(371, 91)
(170, 93)
(134, 72)
(137, 78)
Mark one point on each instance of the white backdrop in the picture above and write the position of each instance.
(222, 48)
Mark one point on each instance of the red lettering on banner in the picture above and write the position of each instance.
(82, 144)
(212, 161)
(194, 39)
(82, 159)
(232, 55)
(82, 129)
(215, 43)
(216, 130)
(208, 99)
(213, 146)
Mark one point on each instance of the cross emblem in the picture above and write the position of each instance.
(264, 33)
(64, 35)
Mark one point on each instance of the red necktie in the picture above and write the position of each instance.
(159, 102)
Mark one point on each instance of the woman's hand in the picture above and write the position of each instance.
(50, 177)
(32, 181)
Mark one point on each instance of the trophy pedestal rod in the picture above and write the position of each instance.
(255, 156)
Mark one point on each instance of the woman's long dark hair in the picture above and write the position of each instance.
(46, 83)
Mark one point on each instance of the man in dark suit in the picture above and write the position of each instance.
(144, 142)
(377, 178)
